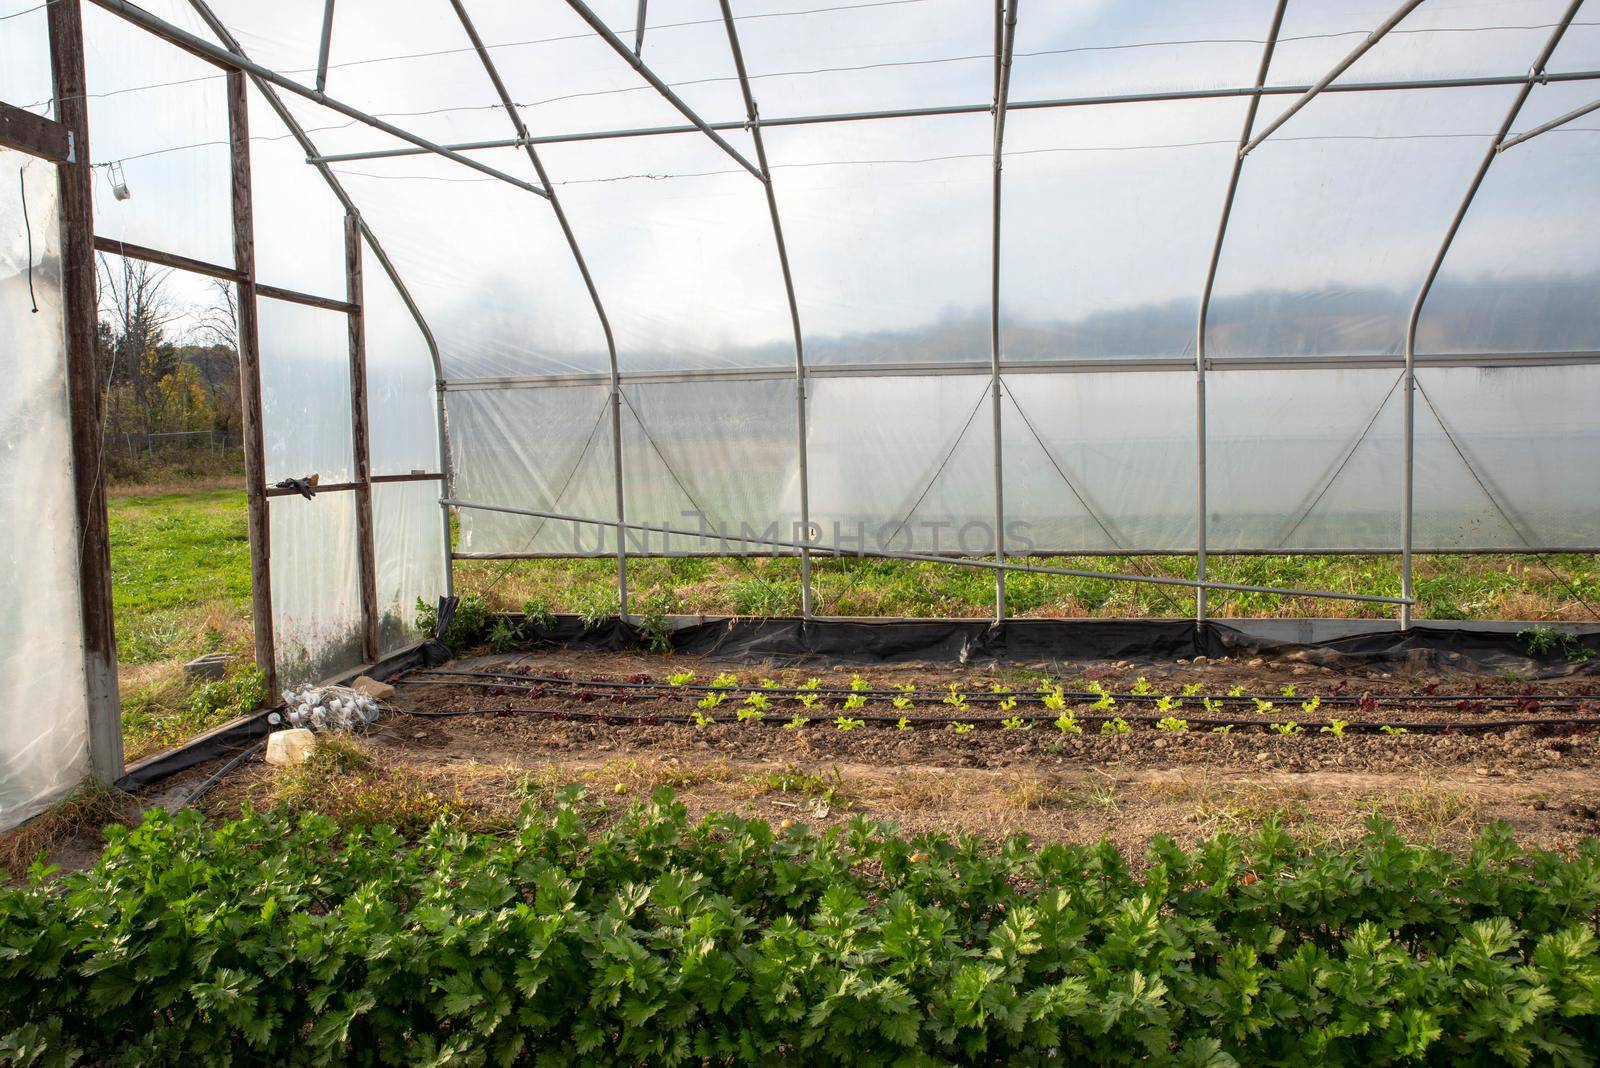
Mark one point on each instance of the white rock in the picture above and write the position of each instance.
(290, 747)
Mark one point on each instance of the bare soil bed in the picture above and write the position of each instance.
(502, 744)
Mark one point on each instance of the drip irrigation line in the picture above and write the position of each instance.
(218, 775)
(1308, 727)
(510, 681)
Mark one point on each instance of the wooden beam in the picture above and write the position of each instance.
(85, 404)
(34, 134)
(255, 466)
(296, 297)
(365, 549)
(118, 247)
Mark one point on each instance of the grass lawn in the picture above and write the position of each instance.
(180, 584)
(180, 563)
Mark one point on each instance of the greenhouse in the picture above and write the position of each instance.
(926, 280)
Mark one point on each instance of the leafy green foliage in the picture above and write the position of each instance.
(468, 626)
(221, 700)
(1542, 639)
(660, 941)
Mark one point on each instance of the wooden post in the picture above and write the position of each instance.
(85, 411)
(255, 465)
(359, 439)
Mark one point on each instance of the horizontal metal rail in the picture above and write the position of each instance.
(346, 487)
(972, 109)
(1366, 45)
(620, 48)
(217, 54)
(1546, 127)
(886, 554)
(1035, 367)
(1175, 551)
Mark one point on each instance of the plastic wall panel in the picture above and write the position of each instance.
(568, 80)
(1523, 274)
(402, 410)
(1074, 50)
(867, 57)
(1505, 460)
(888, 227)
(305, 391)
(162, 116)
(719, 456)
(548, 449)
(1304, 459)
(905, 464)
(299, 223)
(1339, 214)
(316, 586)
(408, 550)
(25, 57)
(1105, 238)
(1440, 39)
(485, 261)
(44, 748)
(1099, 462)
(687, 266)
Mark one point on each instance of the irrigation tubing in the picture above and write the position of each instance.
(513, 681)
(218, 775)
(1310, 727)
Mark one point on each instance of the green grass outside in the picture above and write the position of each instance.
(180, 586)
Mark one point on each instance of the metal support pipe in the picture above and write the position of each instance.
(620, 48)
(1339, 68)
(1408, 476)
(971, 109)
(441, 426)
(1201, 473)
(928, 558)
(1005, 14)
(322, 48)
(1546, 127)
(236, 61)
(801, 423)
(85, 403)
(588, 281)
(638, 33)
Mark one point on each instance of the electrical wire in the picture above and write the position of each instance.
(27, 231)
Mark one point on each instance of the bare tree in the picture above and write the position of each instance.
(134, 314)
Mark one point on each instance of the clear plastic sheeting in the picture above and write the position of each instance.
(1523, 275)
(44, 722)
(903, 464)
(565, 467)
(736, 475)
(309, 256)
(1439, 39)
(25, 57)
(679, 240)
(158, 120)
(888, 227)
(1338, 216)
(316, 586)
(305, 392)
(1081, 475)
(408, 551)
(1142, 186)
(402, 408)
(486, 262)
(1087, 50)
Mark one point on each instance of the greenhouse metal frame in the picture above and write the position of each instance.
(505, 469)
